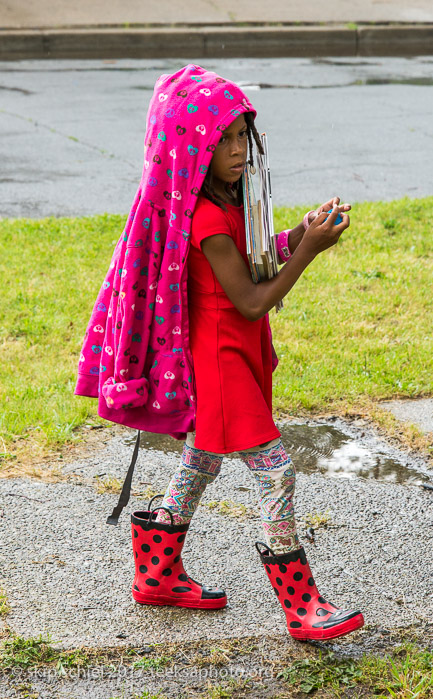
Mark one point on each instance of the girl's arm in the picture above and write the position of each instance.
(252, 300)
(295, 237)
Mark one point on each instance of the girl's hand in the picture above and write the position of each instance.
(322, 232)
(327, 206)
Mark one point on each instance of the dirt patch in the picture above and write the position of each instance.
(30, 461)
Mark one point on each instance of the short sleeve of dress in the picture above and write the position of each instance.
(208, 220)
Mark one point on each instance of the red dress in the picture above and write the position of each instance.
(232, 355)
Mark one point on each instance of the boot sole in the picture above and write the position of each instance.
(325, 634)
(163, 601)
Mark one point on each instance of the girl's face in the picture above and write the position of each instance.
(230, 155)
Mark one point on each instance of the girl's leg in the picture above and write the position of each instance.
(157, 539)
(273, 469)
(196, 470)
(308, 614)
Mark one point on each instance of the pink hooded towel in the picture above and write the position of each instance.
(136, 357)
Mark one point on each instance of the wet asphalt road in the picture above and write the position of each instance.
(71, 133)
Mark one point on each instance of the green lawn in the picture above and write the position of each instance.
(357, 327)
(359, 324)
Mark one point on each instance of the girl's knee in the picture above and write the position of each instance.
(268, 458)
(203, 462)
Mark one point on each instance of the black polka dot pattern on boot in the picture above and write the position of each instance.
(268, 569)
(306, 597)
(287, 603)
(322, 600)
(143, 569)
(295, 624)
(152, 582)
(277, 592)
(136, 554)
(166, 572)
(177, 559)
(181, 538)
(310, 582)
(301, 611)
(136, 588)
(145, 548)
(155, 560)
(298, 577)
(279, 581)
(157, 538)
(168, 551)
(290, 590)
(183, 577)
(135, 533)
(181, 589)
(282, 568)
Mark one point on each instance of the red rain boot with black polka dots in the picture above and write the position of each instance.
(309, 616)
(160, 577)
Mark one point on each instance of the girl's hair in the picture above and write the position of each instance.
(207, 189)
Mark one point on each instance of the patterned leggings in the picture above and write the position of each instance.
(270, 466)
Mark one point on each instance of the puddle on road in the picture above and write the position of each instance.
(322, 449)
(421, 81)
(325, 449)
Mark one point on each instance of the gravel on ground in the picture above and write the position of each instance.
(67, 574)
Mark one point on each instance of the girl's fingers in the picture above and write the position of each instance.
(330, 218)
(320, 218)
(345, 223)
(335, 201)
(333, 215)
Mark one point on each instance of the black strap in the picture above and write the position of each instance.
(165, 510)
(126, 488)
(155, 497)
(260, 543)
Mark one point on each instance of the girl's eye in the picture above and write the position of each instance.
(222, 140)
(243, 133)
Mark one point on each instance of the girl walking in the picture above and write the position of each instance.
(179, 342)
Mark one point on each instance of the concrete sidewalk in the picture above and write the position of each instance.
(58, 13)
(198, 29)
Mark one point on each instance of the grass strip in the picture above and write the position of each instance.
(356, 328)
(27, 653)
(405, 671)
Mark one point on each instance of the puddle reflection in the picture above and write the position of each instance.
(328, 450)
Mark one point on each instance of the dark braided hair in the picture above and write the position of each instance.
(207, 189)
(252, 133)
